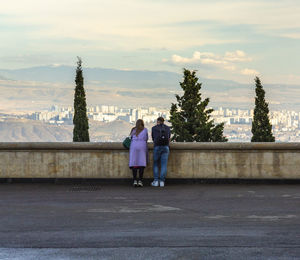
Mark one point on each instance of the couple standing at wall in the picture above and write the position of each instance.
(138, 152)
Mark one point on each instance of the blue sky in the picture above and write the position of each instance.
(225, 39)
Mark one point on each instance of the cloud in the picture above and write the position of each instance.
(249, 72)
(34, 59)
(230, 67)
(227, 61)
(113, 24)
(291, 35)
(236, 56)
(197, 58)
(211, 58)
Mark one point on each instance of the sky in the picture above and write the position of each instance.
(221, 39)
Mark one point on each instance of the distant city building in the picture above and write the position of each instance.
(286, 124)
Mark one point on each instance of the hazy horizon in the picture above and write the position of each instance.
(224, 39)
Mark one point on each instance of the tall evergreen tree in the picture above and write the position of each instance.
(261, 126)
(80, 120)
(190, 118)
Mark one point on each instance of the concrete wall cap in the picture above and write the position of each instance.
(118, 146)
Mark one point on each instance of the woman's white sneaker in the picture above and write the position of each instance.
(162, 184)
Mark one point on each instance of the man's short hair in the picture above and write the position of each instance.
(160, 119)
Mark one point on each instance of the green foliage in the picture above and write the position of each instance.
(261, 126)
(190, 117)
(80, 120)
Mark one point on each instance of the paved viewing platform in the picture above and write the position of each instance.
(103, 217)
(180, 221)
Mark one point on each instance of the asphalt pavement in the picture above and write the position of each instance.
(179, 221)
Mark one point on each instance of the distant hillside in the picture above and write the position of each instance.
(134, 79)
(39, 88)
(113, 131)
(14, 130)
(23, 130)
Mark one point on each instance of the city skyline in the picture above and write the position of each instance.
(111, 123)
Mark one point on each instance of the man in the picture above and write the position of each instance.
(161, 137)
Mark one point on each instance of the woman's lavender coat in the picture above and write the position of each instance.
(138, 151)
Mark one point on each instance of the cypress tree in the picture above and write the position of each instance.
(190, 118)
(80, 120)
(261, 126)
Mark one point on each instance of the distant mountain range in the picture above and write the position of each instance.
(40, 87)
(24, 130)
(134, 79)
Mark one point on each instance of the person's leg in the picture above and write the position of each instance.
(141, 173)
(134, 173)
(164, 162)
(156, 156)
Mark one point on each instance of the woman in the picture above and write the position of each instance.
(138, 152)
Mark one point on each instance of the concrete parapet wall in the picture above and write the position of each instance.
(187, 160)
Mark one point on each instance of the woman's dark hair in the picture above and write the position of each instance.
(139, 127)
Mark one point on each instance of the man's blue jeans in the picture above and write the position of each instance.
(160, 154)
